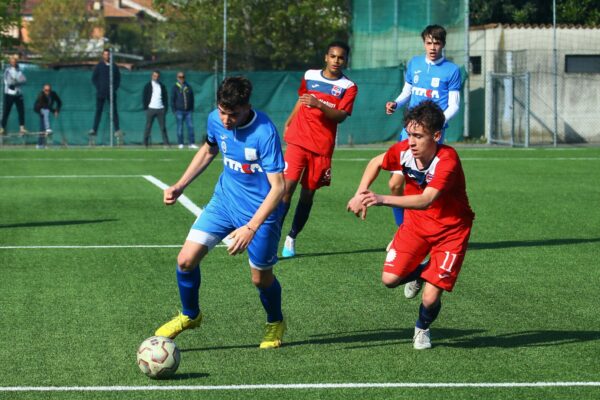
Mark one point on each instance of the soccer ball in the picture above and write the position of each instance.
(158, 357)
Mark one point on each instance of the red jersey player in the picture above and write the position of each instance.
(326, 99)
(438, 217)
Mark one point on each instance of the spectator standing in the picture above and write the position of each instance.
(46, 103)
(182, 103)
(101, 80)
(156, 103)
(13, 80)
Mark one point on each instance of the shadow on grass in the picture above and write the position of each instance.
(56, 223)
(522, 339)
(472, 246)
(356, 339)
(529, 243)
(190, 375)
(335, 253)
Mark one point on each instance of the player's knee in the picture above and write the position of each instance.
(430, 299)
(185, 263)
(395, 188)
(390, 280)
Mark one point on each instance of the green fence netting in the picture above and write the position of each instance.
(275, 92)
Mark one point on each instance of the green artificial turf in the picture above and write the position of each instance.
(524, 310)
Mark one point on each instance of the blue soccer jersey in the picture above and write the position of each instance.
(432, 80)
(249, 153)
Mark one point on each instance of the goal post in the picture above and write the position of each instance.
(507, 109)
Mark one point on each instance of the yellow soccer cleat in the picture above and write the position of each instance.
(177, 325)
(273, 334)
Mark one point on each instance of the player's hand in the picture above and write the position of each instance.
(369, 199)
(240, 240)
(355, 206)
(309, 100)
(171, 194)
(390, 107)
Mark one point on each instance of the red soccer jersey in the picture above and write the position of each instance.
(310, 128)
(445, 174)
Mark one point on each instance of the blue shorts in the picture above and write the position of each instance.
(403, 135)
(216, 222)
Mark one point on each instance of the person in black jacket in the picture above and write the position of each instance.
(46, 103)
(101, 80)
(182, 103)
(156, 103)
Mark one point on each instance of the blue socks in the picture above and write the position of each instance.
(428, 315)
(271, 301)
(398, 215)
(189, 286)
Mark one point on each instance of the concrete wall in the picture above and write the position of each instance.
(578, 94)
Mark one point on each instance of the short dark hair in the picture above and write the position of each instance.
(156, 71)
(340, 44)
(427, 114)
(234, 91)
(437, 32)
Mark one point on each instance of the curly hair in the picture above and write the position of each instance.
(234, 91)
(426, 114)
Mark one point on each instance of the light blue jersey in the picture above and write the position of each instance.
(249, 153)
(431, 80)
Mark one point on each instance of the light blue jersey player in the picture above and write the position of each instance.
(245, 206)
(428, 77)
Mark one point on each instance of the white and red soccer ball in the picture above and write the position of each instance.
(158, 357)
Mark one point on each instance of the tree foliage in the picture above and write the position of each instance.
(261, 34)
(9, 19)
(62, 29)
(581, 12)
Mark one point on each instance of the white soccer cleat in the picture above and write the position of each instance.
(411, 289)
(193, 146)
(422, 339)
(289, 248)
(180, 146)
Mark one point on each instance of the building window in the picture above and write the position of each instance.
(582, 64)
(475, 65)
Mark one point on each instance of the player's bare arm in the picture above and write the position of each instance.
(333, 114)
(243, 235)
(371, 172)
(414, 202)
(201, 160)
(292, 114)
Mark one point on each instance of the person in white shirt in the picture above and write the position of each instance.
(13, 80)
(156, 103)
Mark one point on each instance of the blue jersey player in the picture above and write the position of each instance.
(245, 206)
(428, 77)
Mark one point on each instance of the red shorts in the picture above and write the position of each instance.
(446, 254)
(314, 169)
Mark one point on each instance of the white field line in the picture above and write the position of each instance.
(183, 199)
(88, 159)
(67, 176)
(110, 246)
(297, 386)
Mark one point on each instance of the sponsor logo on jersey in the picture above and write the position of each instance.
(336, 91)
(429, 93)
(314, 85)
(250, 154)
(435, 82)
(243, 168)
(327, 103)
